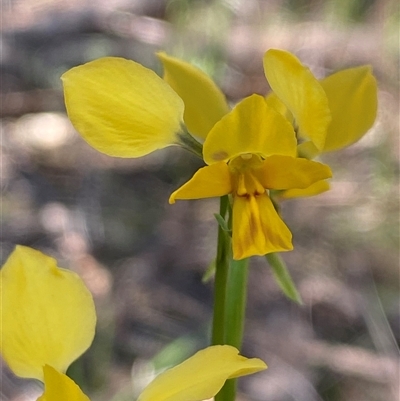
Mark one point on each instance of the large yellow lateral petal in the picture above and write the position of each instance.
(201, 376)
(47, 314)
(205, 104)
(352, 96)
(59, 387)
(122, 108)
(257, 228)
(285, 172)
(301, 92)
(314, 189)
(251, 127)
(207, 182)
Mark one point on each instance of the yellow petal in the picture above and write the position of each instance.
(208, 182)
(352, 96)
(201, 376)
(59, 387)
(277, 104)
(301, 92)
(284, 172)
(315, 189)
(205, 104)
(257, 228)
(47, 314)
(122, 108)
(251, 127)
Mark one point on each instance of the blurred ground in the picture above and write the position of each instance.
(143, 259)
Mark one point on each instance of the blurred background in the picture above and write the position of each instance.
(109, 219)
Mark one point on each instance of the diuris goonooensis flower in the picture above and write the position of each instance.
(249, 151)
(125, 110)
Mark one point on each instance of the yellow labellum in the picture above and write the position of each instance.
(205, 104)
(122, 108)
(59, 387)
(257, 228)
(47, 314)
(201, 376)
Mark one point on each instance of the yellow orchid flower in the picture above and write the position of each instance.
(249, 151)
(124, 109)
(48, 320)
(351, 96)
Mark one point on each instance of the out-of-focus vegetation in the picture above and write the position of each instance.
(143, 259)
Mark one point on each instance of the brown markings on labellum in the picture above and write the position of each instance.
(221, 155)
(253, 225)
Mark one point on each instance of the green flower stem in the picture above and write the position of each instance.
(229, 299)
(235, 310)
(236, 298)
(221, 277)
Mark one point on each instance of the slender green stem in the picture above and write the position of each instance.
(235, 310)
(230, 298)
(236, 298)
(221, 277)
